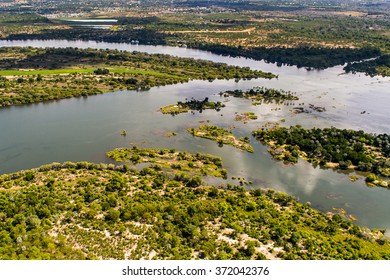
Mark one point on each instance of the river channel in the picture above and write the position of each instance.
(83, 129)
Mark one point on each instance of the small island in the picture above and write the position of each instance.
(193, 105)
(262, 94)
(245, 117)
(222, 136)
(170, 134)
(171, 160)
(331, 147)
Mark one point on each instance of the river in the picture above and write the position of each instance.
(81, 129)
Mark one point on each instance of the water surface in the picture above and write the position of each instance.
(80, 129)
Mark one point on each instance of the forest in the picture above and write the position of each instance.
(98, 211)
(293, 36)
(332, 147)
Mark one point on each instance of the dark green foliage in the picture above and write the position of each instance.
(262, 93)
(105, 212)
(194, 105)
(304, 56)
(102, 71)
(370, 67)
(363, 151)
(29, 176)
(194, 182)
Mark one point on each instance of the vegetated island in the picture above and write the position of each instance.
(331, 147)
(175, 161)
(221, 136)
(245, 117)
(98, 211)
(170, 134)
(262, 94)
(193, 105)
(30, 75)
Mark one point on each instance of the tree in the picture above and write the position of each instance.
(112, 215)
(194, 182)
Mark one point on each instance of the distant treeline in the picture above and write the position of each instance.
(306, 56)
(143, 36)
(371, 67)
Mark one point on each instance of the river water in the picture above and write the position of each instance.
(81, 129)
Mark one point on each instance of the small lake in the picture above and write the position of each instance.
(81, 129)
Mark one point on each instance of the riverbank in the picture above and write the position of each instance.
(33, 75)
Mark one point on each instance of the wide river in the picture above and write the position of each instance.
(79, 129)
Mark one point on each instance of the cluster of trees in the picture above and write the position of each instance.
(101, 71)
(262, 93)
(197, 105)
(378, 66)
(304, 56)
(365, 152)
(121, 213)
(145, 36)
(221, 136)
(192, 104)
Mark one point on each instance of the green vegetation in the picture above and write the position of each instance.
(221, 136)
(331, 147)
(194, 105)
(262, 94)
(170, 134)
(17, 23)
(312, 38)
(303, 56)
(35, 75)
(173, 161)
(245, 117)
(158, 204)
(378, 66)
(97, 211)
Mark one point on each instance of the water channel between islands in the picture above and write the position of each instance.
(83, 129)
